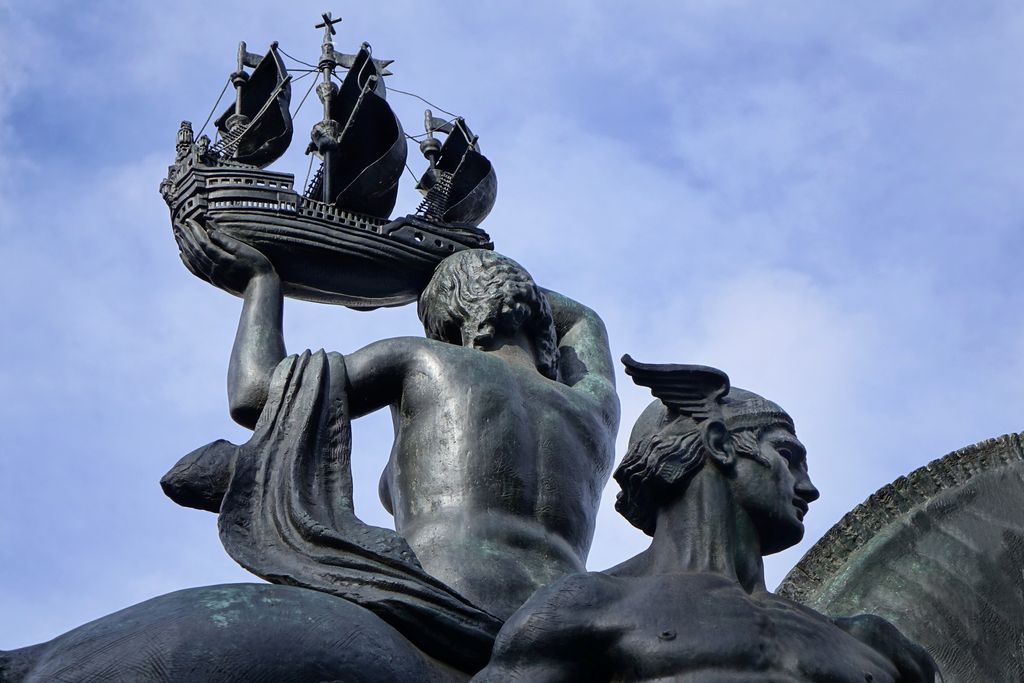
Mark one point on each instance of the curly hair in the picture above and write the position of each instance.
(654, 466)
(476, 294)
(666, 450)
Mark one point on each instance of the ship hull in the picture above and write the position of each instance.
(322, 254)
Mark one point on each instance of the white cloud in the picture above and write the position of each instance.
(824, 201)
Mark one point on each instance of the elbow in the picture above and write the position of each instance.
(247, 393)
(245, 407)
(247, 416)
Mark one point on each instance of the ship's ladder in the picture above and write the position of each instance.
(436, 202)
(228, 143)
(314, 188)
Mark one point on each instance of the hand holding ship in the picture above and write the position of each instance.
(220, 259)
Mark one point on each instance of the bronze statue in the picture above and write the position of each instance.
(505, 423)
(505, 418)
(718, 478)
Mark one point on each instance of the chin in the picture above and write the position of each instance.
(781, 537)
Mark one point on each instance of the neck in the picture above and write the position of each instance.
(704, 530)
(516, 348)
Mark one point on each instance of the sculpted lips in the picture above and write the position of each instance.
(801, 505)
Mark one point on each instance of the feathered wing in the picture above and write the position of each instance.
(692, 390)
(940, 554)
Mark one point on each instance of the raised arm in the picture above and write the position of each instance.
(376, 372)
(585, 359)
(259, 342)
(258, 348)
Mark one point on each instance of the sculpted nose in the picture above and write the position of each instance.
(806, 490)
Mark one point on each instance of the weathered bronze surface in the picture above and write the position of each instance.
(505, 420)
(244, 633)
(940, 554)
(505, 417)
(718, 478)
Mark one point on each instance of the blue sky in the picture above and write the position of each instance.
(822, 199)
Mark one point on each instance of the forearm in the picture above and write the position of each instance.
(258, 348)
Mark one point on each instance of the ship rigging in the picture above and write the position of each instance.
(336, 242)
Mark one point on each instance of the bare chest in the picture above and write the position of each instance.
(728, 636)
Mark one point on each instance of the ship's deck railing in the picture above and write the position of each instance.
(226, 162)
(243, 181)
(305, 207)
(317, 209)
(257, 182)
(252, 204)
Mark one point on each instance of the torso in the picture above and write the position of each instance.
(704, 627)
(496, 474)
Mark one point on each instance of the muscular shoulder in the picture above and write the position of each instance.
(565, 613)
(397, 347)
(391, 356)
(912, 661)
(377, 372)
(556, 636)
(574, 596)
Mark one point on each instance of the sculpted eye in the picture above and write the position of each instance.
(787, 454)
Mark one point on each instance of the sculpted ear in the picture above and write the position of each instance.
(718, 443)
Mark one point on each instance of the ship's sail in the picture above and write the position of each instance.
(336, 244)
(363, 165)
(461, 186)
(263, 100)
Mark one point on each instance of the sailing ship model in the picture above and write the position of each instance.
(336, 241)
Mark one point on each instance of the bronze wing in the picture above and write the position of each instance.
(692, 390)
(940, 554)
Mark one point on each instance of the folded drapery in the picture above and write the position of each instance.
(286, 514)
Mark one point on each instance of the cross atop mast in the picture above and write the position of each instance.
(328, 26)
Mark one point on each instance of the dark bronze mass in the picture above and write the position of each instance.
(505, 416)
(718, 479)
(335, 242)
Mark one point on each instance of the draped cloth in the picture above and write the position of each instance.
(286, 514)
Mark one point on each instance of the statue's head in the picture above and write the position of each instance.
(478, 295)
(698, 422)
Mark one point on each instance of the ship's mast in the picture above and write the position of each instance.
(326, 92)
(238, 79)
(430, 147)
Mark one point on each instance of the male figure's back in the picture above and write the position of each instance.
(496, 471)
(505, 416)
